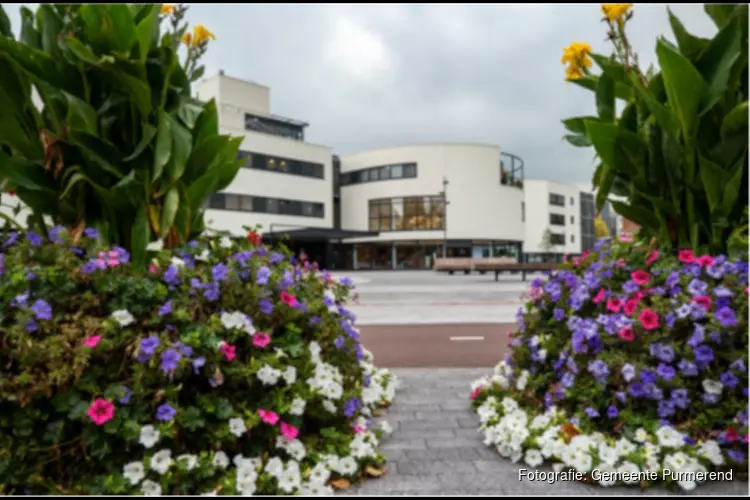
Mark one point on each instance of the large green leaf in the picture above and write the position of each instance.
(735, 121)
(716, 61)
(36, 62)
(50, 26)
(140, 235)
(137, 90)
(182, 141)
(24, 174)
(163, 145)
(189, 110)
(612, 68)
(602, 136)
(111, 26)
(171, 204)
(689, 44)
(684, 85)
(663, 115)
(712, 176)
(207, 125)
(720, 13)
(204, 157)
(81, 116)
(99, 152)
(148, 132)
(603, 184)
(5, 28)
(640, 215)
(622, 90)
(605, 98)
(78, 50)
(148, 30)
(579, 141)
(631, 156)
(733, 186)
(29, 35)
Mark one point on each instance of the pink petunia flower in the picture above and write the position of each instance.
(652, 258)
(289, 431)
(268, 416)
(288, 299)
(475, 393)
(229, 351)
(626, 334)
(614, 304)
(113, 263)
(153, 268)
(261, 339)
(92, 341)
(358, 429)
(705, 260)
(101, 411)
(620, 263)
(630, 306)
(599, 296)
(686, 256)
(703, 301)
(649, 319)
(640, 277)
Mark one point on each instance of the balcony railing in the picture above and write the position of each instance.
(511, 170)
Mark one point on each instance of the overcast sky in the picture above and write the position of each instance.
(374, 76)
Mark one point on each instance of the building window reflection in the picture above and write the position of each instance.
(412, 213)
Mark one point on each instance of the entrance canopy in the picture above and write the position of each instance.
(317, 234)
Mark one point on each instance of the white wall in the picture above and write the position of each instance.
(480, 208)
(538, 210)
(234, 98)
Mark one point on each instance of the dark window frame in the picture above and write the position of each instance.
(557, 239)
(557, 200)
(380, 173)
(266, 205)
(556, 219)
(281, 165)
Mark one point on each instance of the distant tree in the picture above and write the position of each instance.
(547, 244)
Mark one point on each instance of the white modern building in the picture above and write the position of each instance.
(553, 225)
(454, 199)
(286, 182)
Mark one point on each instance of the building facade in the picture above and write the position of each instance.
(554, 226)
(285, 182)
(431, 200)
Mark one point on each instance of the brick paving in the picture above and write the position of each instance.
(435, 448)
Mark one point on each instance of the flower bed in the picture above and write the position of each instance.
(628, 362)
(221, 369)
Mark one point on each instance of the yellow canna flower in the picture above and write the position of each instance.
(187, 39)
(616, 11)
(166, 9)
(201, 34)
(576, 57)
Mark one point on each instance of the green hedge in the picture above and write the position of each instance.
(224, 367)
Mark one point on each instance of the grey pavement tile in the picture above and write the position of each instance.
(410, 444)
(433, 467)
(454, 454)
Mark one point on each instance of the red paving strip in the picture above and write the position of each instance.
(470, 303)
(430, 346)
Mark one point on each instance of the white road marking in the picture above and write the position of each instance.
(460, 339)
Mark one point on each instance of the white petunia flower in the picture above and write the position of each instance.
(237, 426)
(123, 317)
(329, 406)
(386, 427)
(320, 474)
(177, 262)
(220, 460)
(268, 375)
(290, 479)
(190, 461)
(226, 242)
(274, 467)
(629, 472)
(155, 246)
(134, 472)
(712, 386)
(151, 488)
(669, 437)
(161, 461)
(641, 435)
(298, 406)
(290, 375)
(711, 451)
(149, 436)
(347, 466)
(204, 255)
(607, 475)
(534, 458)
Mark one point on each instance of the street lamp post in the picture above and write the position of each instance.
(445, 216)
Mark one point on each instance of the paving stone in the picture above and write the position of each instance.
(442, 414)
(469, 422)
(435, 433)
(457, 442)
(427, 425)
(411, 444)
(432, 467)
(453, 454)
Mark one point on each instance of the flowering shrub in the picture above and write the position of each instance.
(223, 368)
(626, 361)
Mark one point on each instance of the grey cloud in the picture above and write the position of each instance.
(367, 76)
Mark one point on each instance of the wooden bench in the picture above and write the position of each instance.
(452, 264)
(515, 267)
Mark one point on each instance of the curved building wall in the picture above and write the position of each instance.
(479, 207)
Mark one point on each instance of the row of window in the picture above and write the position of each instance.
(263, 205)
(559, 219)
(559, 200)
(270, 126)
(283, 165)
(413, 213)
(382, 173)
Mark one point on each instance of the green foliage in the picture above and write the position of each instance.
(218, 369)
(678, 152)
(626, 360)
(118, 143)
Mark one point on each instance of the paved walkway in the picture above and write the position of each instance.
(436, 449)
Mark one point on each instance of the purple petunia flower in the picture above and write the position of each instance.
(340, 342)
(172, 275)
(568, 380)
(34, 239)
(169, 360)
(265, 306)
(276, 257)
(729, 380)
(149, 345)
(166, 308)
(736, 455)
(592, 413)
(726, 317)
(198, 363)
(211, 292)
(738, 365)
(665, 409)
(42, 310)
(628, 372)
(637, 389)
(697, 287)
(680, 399)
(665, 371)
(612, 411)
(648, 376)
(90, 232)
(703, 354)
(165, 412)
(263, 275)
(219, 272)
(621, 396)
(599, 369)
(124, 395)
(687, 368)
(351, 407)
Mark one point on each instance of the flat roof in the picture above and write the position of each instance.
(318, 233)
